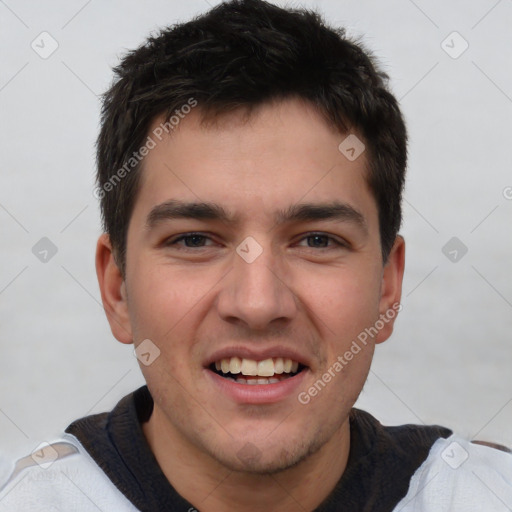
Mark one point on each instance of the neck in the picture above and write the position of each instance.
(206, 483)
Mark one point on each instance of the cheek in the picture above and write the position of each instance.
(152, 308)
(168, 308)
(343, 302)
(160, 298)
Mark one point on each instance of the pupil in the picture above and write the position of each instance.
(318, 240)
(194, 240)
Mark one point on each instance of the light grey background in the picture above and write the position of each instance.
(449, 361)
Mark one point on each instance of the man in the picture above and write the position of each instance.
(250, 170)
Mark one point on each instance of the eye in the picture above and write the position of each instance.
(321, 241)
(189, 240)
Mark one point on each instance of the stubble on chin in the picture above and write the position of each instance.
(272, 458)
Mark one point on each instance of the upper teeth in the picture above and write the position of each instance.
(265, 368)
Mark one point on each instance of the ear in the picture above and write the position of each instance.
(391, 289)
(113, 291)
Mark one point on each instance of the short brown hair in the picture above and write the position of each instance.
(241, 54)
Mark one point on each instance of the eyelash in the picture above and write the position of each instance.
(184, 236)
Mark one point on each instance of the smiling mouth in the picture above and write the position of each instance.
(250, 371)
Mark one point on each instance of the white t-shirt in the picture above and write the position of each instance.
(457, 476)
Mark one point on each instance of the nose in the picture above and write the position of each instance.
(255, 293)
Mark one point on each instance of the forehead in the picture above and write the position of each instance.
(281, 154)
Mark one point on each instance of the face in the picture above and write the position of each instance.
(253, 265)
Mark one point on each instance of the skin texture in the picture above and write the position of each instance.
(312, 296)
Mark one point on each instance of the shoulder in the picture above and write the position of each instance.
(459, 475)
(407, 445)
(60, 476)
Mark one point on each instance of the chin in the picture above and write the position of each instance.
(259, 458)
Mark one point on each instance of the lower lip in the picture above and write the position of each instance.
(257, 393)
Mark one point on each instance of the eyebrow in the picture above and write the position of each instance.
(302, 212)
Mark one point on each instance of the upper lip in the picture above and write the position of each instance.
(257, 354)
